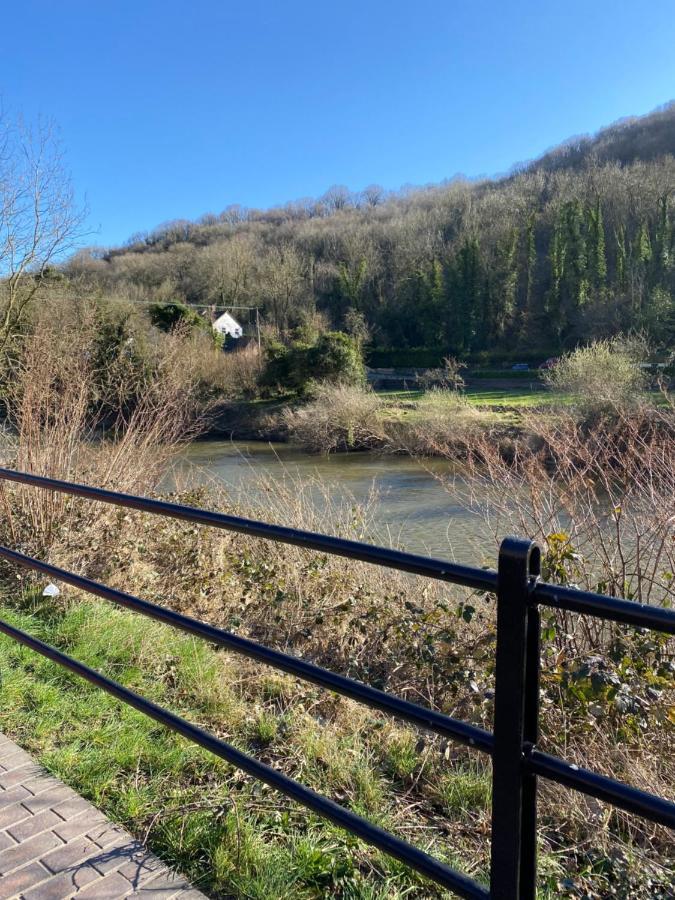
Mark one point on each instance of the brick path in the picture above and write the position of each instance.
(54, 844)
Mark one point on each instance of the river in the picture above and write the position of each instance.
(409, 506)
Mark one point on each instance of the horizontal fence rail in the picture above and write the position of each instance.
(517, 762)
(346, 819)
(479, 579)
(293, 665)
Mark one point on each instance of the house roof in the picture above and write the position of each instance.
(227, 319)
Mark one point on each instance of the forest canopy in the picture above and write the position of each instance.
(577, 245)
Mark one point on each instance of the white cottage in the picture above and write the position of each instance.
(227, 325)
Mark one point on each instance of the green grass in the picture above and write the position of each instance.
(516, 398)
(232, 836)
(502, 406)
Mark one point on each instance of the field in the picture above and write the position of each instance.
(509, 397)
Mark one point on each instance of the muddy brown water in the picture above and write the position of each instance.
(419, 508)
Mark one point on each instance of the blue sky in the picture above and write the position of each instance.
(173, 109)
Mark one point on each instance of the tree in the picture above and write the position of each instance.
(168, 316)
(335, 357)
(224, 271)
(603, 377)
(352, 281)
(337, 197)
(466, 295)
(284, 283)
(597, 254)
(373, 195)
(39, 219)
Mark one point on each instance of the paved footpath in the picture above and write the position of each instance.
(54, 844)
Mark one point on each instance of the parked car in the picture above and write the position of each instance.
(520, 367)
(549, 363)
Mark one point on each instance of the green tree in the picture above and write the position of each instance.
(352, 281)
(335, 358)
(597, 251)
(167, 316)
(507, 283)
(621, 257)
(465, 295)
(664, 237)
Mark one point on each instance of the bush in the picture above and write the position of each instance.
(334, 358)
(444, 419)
(446, 377)
(603, 377)
(340, 417)
(167, 316)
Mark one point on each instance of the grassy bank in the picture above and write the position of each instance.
(387, 420)
(427, 641)
(607, 692)
(231, 836)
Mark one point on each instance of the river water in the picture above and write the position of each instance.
(411, 506)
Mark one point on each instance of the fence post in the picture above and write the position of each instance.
(513, 858)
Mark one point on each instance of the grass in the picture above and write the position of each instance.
(230, 835)
(236, 838)
(513, 398)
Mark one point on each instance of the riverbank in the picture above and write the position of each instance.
(603, 516)
(425, 640)
(392, 421)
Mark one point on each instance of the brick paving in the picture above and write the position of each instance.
(55, 845)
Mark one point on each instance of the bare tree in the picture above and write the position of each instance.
(373, 195)
(224, 269)
(283, 272)
(39, 220)
(337, 197)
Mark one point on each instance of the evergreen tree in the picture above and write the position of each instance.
(577, 281)
(598, 258)
(558, 259)
(663, 237)
(466, 296)
(504, 305)
(643, 245)
(621, 258)
(352, 282)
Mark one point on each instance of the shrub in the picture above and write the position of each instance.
(443, 419)
(63, 426)
(605, 376)
(334, 358)
(340, 417)
(447, 377)
(285, 366)
(166, 316)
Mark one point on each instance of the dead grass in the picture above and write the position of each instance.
(339, 417)
(59, 426)
(607, 693)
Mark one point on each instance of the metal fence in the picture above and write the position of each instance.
(516, 762)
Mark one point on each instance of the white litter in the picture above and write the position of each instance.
(51, 591)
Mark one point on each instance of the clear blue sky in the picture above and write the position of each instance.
(173, 109)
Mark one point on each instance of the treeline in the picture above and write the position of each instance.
(576, 246)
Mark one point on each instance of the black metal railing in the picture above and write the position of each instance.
(516, 761)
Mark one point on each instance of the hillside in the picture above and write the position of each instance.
(577, 244)
(634, 138)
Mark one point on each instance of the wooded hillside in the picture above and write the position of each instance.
(576, 245)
